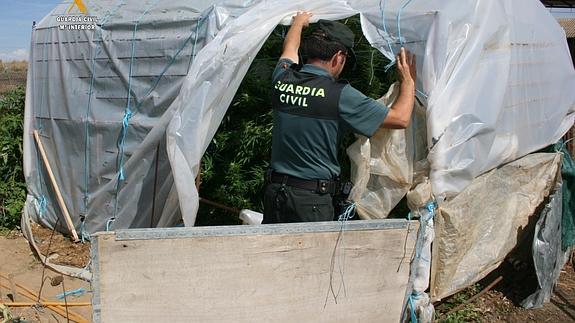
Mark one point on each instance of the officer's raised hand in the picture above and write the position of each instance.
(293, 37)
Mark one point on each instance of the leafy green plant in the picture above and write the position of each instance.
(12, 186)
(468, 313)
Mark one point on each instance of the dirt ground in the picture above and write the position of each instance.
(497, 305)
(19, 261)
(500, 304)
(61, 250)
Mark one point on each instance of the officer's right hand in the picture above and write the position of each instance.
(406, 66)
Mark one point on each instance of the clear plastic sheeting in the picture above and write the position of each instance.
(548, 256)
(497, 75)
(127, 110)
(477, 229)
(383, 165)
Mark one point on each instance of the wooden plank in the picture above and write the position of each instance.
(56, 188)
(282, 274)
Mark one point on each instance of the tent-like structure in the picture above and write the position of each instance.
(126, 107)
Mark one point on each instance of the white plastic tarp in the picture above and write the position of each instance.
(476, 230)
(496, 75)
(383, 166)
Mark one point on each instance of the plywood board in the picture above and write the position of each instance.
(308, 272)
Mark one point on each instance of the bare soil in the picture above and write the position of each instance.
(60, 249)
(19, 261)
(501, 304)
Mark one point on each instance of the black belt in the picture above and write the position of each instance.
(315, 185)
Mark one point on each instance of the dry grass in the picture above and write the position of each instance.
(12, 75)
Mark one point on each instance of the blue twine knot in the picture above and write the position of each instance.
(127, 117)
(85, 236)
(42, 205)
(347, 214)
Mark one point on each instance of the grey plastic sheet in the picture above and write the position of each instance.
(548, 256)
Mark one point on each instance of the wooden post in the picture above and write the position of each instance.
(69, 222)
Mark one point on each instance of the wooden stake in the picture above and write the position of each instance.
(67, 217)
(22, 304)
(483, 291)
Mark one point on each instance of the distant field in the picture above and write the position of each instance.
(12, 74)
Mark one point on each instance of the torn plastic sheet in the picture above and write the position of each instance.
(382, 166)
(477, 229)
(548, 256)
(496, 75)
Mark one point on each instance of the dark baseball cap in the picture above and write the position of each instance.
(337, 32)
(340, 33)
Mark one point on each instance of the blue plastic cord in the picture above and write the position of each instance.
(42, 206)
(347, 214)
(125, 122)
(128, 110)
(86, 198)
(84, 235)
(109, 222)
(343, 218)
(401, 40)
(43, 202)
(412, 310)
(193, 54)
(75, 292)
(387, 35)
(431, 206)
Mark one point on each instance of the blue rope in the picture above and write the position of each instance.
(193, 55)
(128, 110)
(43, 202)
(42, 205)
(401, 39)
(126, 119)
(84, 235)
(431, 206)
(347, 214)
(412, 310)
(89, 105)
(75, 292)
(387, 35)
(343, 218)
(423, 219)
(109, 222)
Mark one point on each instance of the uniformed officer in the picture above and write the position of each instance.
(311, 110)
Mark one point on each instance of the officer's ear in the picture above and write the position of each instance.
(335, 60)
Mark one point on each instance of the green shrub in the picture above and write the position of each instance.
(12, 186)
